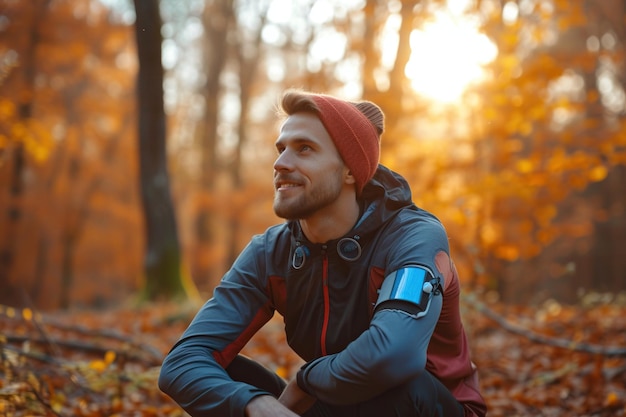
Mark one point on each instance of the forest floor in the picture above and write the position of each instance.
(552, 360)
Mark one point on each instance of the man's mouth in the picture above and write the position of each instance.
(286, 185)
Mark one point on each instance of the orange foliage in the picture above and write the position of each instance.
(510, 171)
(79, 198)
(535, 143)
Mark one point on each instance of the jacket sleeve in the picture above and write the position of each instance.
(394, 348)
(389, 353)
(193, 372)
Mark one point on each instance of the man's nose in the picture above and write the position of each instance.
(284, 161)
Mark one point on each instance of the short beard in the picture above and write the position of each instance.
(307, 205)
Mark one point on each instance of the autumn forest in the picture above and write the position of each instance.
(136, 152)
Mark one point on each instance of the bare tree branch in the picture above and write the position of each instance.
(610, 351)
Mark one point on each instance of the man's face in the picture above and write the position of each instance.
(308, 173)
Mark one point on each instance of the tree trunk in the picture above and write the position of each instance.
(11, 289)
(371, 58)
(216, 20)
(162, 257)
(248, 66)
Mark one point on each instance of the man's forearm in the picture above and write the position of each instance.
(267, 406)
(376, 361)
(295, 399)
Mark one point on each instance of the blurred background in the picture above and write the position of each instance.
(508, 118)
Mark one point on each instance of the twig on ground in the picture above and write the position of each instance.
(609, 351)
(149, 360)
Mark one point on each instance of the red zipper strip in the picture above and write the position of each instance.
(326, 305)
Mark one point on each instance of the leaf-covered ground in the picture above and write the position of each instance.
(549, 361)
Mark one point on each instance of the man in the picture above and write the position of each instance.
(362, 277)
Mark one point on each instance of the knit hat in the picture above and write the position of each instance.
(355, 129)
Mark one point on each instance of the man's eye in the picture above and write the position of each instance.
(305, 148)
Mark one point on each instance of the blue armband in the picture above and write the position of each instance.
(412, 287)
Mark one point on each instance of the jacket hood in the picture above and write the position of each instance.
(390, 187)
(386, 194)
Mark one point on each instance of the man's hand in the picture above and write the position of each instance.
(267, 406)
(295, 399)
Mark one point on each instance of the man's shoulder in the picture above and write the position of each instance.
(273, 235)
(417, 227)
(414, 216)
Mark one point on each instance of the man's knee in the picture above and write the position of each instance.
(432, 398)
(423, 396)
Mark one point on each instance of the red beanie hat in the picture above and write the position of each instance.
(354, 135)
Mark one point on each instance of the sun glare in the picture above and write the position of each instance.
(447, 53)
(447, 56)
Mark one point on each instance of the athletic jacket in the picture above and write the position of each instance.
(326, 294)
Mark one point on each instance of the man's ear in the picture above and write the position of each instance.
(348, 177)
